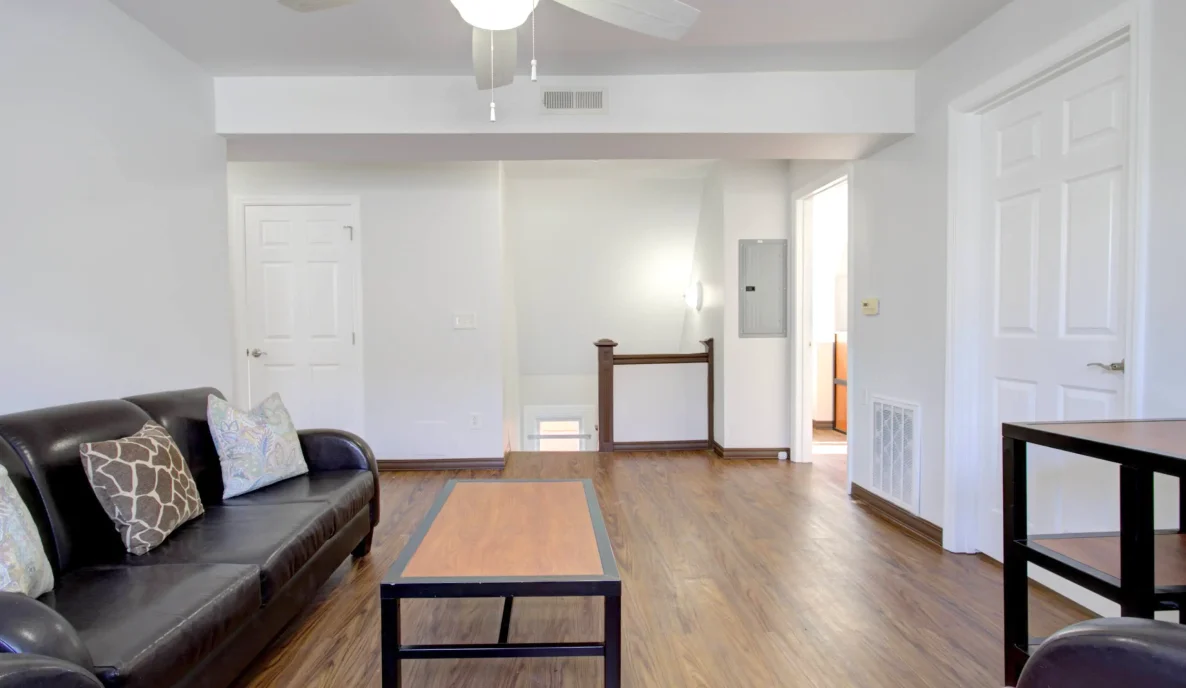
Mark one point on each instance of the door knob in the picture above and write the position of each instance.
(1110, 367)
(256, 353)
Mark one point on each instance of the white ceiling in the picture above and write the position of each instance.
(427, 37)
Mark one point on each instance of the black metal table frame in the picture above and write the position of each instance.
(608, 585)
(1135, 590)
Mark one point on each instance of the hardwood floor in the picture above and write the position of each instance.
(735, 575)
(828, 436)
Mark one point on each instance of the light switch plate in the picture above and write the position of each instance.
(870, 306)
(465, 321)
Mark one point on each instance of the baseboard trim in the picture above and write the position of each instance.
(694, 445)
(898, 516)
(443, 464)
(823, 424)
(748, 454)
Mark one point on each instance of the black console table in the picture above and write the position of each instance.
(1142, 569)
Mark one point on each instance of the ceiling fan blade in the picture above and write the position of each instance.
(506, 56)
(313, 5)
(668, 19)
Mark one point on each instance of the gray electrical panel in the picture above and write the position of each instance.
(763, 288)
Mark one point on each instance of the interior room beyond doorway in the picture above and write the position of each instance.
(825, 215)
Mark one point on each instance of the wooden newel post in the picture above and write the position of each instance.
(710, 349)
(605, 394)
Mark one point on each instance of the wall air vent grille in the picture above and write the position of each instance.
(896, 452)
(561, 101)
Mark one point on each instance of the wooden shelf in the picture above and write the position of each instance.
(1101, 551)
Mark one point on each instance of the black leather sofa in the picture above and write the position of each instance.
(196, 610)
(1110, 653)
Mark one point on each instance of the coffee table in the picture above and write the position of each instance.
(508, 539)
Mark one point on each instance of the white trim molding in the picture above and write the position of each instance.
(965, 506)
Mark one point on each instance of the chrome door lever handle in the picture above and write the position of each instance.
(256, 353)
(1110, 367)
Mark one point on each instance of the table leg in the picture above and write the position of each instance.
(504, 631)
(390, 642)
(613, 641)
(1136, 542)
(1014, 507)
(1182, 506)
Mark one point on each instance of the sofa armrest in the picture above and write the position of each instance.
(1110, 652)
(29, 627)
(39, 671)
(338, 450)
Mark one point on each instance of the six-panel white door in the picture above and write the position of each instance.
(301, 276)
(1056, 188)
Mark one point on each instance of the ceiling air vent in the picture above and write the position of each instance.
(565, 101)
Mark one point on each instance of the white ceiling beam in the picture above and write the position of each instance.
(861, 103)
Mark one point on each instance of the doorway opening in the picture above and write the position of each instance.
(823, 300)
(559, 428)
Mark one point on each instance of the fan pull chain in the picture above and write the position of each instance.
(493, 113)
(534, 73)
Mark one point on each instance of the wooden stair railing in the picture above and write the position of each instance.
(607, 359)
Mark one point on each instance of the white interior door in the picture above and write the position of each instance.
(1056, 190)
(301, 276)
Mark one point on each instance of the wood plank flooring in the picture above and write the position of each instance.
(735, 575)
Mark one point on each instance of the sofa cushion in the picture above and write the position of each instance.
(24, 568)
(46, 443)
(256, 448)
(277, 538)
(346, 493)
(143, 484)
(148, 625)
(183, 414)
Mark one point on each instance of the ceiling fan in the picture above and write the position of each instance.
(496, 23)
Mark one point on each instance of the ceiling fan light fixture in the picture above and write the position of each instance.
(495, 15)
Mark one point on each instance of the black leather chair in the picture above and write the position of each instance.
(1109, 653)
(196, 610)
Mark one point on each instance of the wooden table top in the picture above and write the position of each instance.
(1163, 438)
(505, 529)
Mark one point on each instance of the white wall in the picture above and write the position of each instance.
(113, 266)
(558, 390)
(899, 233)
(599, 250)
(431, 248)
(758, 385)
(708, 268)
(661, 403)
(1166, 280)
(512, 406)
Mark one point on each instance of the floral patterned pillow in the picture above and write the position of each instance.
(24, 568)
(256, 448)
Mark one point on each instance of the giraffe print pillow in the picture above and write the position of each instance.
(143, 484)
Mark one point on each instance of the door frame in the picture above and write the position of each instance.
(965, 506)
(802, 360)
(237, 237)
